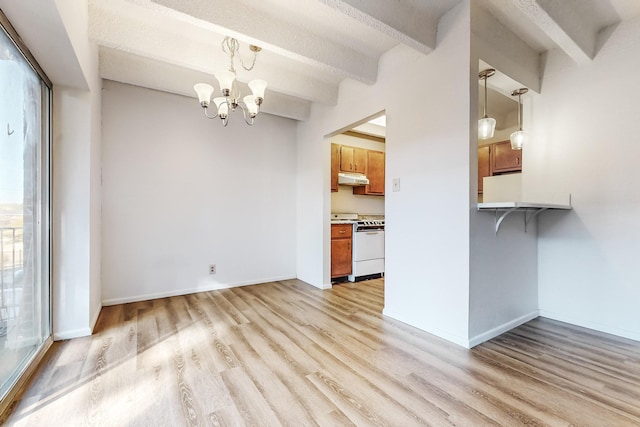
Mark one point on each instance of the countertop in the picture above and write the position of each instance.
(521, 205)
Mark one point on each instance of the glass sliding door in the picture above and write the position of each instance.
(25, 324)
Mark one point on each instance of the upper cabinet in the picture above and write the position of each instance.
(504, 159)
(352, 159)
(496, 159)
(335, 166)
(374, 171)
(484, 165)
(360, 160)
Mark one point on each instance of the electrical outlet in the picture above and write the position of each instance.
(212, 269)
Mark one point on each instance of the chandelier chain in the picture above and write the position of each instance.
(231, 47)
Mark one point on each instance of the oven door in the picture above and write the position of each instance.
(368, 244)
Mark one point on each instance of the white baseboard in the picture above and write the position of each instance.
(439, 333)
(632, 335)
(492, 333)
(187, 291)
(75, 333)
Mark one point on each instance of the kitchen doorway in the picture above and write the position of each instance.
(357, 204)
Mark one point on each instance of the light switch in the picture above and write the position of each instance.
(396, 184)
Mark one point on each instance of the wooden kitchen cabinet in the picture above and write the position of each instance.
(335, 166)
(374, 170)
(504, 159)
(341, 253)
(352, 159)
(484, 164)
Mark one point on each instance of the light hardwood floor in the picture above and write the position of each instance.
(286, 353)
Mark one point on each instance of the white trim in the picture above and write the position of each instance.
(92, 325)
(441, 334)
(75, 333)
(492, 333)
(624, 333)
(186, 291)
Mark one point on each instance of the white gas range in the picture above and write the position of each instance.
(368, 244)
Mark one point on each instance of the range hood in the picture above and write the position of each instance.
(352, 179)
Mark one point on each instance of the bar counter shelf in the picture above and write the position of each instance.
(531, 210)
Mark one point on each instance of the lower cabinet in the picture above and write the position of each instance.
(341, 251)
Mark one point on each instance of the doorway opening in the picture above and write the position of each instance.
(357, 203)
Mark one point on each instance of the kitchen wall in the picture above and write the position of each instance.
(584, 142)
(344, 200)
(427, 143)
(181, 192)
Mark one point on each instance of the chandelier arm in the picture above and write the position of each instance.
(208, 116)
(244, 115)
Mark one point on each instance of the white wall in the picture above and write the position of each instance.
(181, 192)
(344, 200)
(503, 285)
(585, 142)
(77, 286)
(427, 271)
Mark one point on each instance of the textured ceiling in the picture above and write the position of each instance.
(310, 46)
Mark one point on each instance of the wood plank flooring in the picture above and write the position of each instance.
(286, 353)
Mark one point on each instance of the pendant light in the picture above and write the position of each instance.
(486, 125)
(519, 137)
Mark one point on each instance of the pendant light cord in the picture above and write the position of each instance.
(485, 97)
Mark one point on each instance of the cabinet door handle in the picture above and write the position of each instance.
(342, 231)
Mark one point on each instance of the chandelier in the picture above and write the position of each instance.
(230, 99)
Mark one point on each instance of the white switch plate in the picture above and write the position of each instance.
(396, 184)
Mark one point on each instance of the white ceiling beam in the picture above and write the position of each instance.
(560, 20)
(133, 69)
(398, 20)
(178, 44)
(495, 44)
(271, 33)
